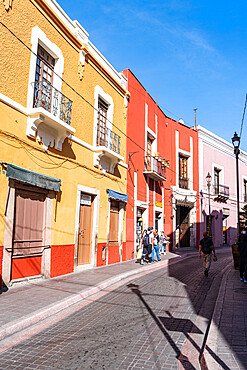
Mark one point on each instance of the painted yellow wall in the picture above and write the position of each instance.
(74, 165)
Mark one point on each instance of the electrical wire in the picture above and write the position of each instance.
(243, 118)
(91, 105)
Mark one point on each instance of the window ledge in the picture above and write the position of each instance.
(106, 159)
(49, 129)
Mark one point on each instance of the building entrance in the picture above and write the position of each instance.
(183, 225)
(85, 230)
(139, 226)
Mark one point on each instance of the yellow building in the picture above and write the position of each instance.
(62, 145)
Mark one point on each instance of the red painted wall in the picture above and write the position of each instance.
(25, 267)
(113, 254)
(135, 142)
(128, 254)
(1, 264)
(166, 140)
(62, 259)
(99, 261)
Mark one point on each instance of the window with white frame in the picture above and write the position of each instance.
(183, 171)
(43, 79)
(149, 153)
(102, 121)
(216, 181)
(45, 102)
(104, 134)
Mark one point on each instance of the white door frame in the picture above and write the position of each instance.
(95, 225)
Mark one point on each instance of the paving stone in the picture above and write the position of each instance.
(124, 329)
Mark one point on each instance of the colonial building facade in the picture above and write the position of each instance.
(62, 126)
(162, 172)
(218, 189)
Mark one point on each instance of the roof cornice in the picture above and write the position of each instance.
(79, 37)
(218, 143)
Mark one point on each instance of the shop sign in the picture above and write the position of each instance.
(159, 204)
(86, 200)
(226, 212)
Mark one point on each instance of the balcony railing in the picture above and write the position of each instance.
(52, 100)
(108, 138)
(183, 183)
(221, 191)
(154, 168)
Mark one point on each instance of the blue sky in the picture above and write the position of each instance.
(190, 54)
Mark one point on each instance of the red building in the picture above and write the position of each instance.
(162, 180)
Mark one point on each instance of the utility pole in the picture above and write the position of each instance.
(195, 109)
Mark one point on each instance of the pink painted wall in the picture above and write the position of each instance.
(213, 157)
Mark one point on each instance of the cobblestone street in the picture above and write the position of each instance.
(157, 321)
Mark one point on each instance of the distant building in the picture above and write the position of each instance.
(216, 157)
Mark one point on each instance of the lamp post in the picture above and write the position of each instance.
(209, 178)
(236, 143)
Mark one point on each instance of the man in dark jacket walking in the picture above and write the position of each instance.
(206, 247)
(242, 247)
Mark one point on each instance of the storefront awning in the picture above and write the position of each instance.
(118, 196)
(33, 178)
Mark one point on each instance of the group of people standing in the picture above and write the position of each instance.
(151, 242)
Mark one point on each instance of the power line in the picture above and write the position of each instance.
(243, 116)
(85, 100)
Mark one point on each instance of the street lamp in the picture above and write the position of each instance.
(236, 143)
(209, 178)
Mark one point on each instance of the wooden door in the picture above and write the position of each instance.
(114, 223)
(85, 233)
(184, 226)
(28, 222)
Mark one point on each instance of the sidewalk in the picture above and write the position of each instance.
(26, 304)
(226, 346)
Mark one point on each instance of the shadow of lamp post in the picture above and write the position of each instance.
(236, 143)
(209, 178)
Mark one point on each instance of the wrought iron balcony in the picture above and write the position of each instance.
(154, 168)
(52, 100)
(183, 183)
(221, 192)
(108, 139)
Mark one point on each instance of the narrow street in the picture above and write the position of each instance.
(157, 321)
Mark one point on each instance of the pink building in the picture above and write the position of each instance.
(216, 157)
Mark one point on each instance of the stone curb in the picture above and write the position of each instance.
(33, 318)
(208, 362)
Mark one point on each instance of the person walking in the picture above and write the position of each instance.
(144, 246)
(242, 247)
(147, 245)
(206, 248)
(156, 246)
(151, 243)
(162, 242)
